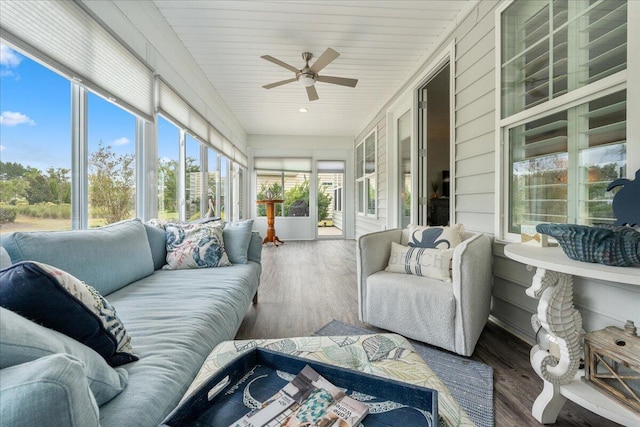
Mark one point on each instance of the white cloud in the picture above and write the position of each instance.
(2, 148)
(8, 57)
(121, 141)
(11, 118)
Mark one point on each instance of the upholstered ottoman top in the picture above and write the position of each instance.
(386, 355)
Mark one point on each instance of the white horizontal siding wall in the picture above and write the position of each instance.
(600, 303)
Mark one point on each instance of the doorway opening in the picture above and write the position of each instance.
(330, 198)
(434, 149)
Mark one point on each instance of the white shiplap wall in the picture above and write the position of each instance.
(600, 303)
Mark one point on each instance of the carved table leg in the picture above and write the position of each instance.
(557, 315)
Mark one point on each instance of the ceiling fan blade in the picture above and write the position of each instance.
(338, 80)
(312, 93)
(280, 83)
(327, 57)
(280, 63)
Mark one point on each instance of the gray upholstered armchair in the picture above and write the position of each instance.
(450, 315)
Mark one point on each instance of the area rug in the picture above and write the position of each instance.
(470, 382)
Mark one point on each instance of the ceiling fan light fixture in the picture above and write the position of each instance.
(306, 79)
(304, 110)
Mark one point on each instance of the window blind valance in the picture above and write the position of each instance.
(286, 164)
(64, 36)
(179, 111)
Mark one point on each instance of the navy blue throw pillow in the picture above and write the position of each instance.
(57, 300)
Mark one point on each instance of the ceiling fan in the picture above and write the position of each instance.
(308, 75)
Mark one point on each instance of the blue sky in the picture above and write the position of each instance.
(35, 117)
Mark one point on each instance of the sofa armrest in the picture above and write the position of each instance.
(255, 248)
(472, 283)
(372, 255)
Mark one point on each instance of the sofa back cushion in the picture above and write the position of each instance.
(237, 237)
(108, 258)
(158, 244)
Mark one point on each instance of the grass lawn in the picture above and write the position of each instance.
(28, 223)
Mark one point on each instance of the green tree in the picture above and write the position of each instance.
(59, 184)
(111, 183)
(168, 172)
(38, 189)
(10, 170)
(324, 200)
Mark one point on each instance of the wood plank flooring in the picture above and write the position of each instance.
(306, 284)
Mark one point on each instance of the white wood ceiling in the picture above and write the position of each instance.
(381, 43)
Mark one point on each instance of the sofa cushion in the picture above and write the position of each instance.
(176, 318)
(50, 391)
(195, 246)
(429, 262)
(237, 236)
(22, 341)
(58, 300)
(108, 257)
(435, 237)
(157, 244)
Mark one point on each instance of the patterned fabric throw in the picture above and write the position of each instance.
(195, 246)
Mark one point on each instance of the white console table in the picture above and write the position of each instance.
(553, 287)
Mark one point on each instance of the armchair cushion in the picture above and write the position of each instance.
(429, 262)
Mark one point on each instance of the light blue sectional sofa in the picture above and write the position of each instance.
(174, 317)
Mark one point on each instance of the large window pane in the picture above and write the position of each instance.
(225, 211)
(213, 180)
(193, 179)
(112, 150)
(594, 134)
(35, 146)
(292, 187)
(602, 156)
(552, 47)
(168, 164)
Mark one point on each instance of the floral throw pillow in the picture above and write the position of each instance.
(195, 246)
(435, 237)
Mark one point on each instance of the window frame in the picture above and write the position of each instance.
(362, 197)
(621, 80)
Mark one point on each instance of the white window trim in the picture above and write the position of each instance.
(367, 177)
(629, 79)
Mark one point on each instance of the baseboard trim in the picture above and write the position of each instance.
(512, 330)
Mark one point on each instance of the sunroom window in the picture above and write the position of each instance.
(563, 109)
(366, 176)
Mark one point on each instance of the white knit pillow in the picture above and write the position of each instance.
(429, 262)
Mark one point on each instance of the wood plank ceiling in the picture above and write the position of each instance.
(381, 43)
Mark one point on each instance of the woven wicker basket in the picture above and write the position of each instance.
(609, 245)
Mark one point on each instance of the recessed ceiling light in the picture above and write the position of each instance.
(303, 110)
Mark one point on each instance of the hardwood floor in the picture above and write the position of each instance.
(306, 284)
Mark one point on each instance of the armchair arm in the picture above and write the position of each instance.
(472, 283)
(372, 255)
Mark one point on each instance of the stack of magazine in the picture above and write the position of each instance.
(308, 400)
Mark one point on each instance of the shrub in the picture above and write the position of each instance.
(7, 214)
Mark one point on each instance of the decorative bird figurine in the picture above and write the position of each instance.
(626, 202)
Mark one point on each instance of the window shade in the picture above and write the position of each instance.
(175, 108)
(290, 164)
(64, 36)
